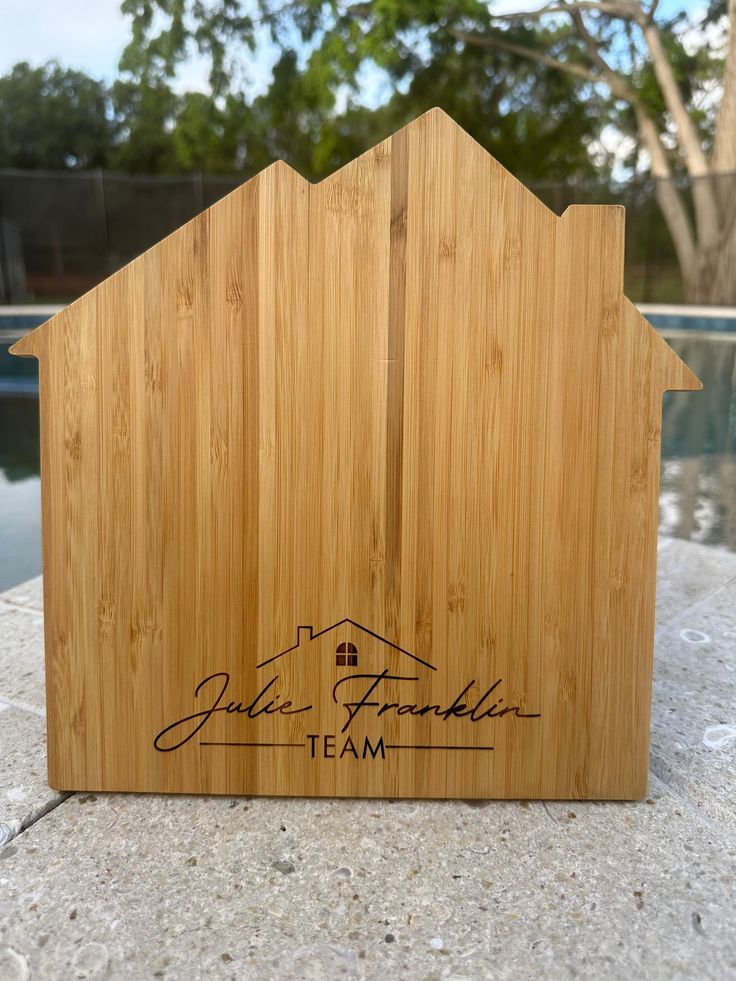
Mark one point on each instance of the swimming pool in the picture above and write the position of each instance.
(698, 481)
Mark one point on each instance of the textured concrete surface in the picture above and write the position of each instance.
(21, 658)
(182, 888)
(686, 575)
(28, 595)
(123, 886)
(24, 794)
(693, 748)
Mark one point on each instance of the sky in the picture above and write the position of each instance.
(86, 34)
(90, 35)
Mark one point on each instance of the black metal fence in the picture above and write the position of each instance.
(62, 233)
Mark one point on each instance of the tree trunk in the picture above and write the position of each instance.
(707, 265)
(724, 144)
(713, 278)
(704, 237)
(711, 275)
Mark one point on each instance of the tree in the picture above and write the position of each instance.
(663, 88)
(52, 117)
(297, 120)
(651, 75)
(312, 113)
(146, 114)
(208, 137)
(519, 110)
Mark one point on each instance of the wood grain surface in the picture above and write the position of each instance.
(404, 418)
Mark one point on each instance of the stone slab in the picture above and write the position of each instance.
(686, 574)
(693, 741)
(24, 793)
(28, 594)
(130, 887)
(22, 658)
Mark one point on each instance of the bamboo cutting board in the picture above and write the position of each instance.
(351, 489)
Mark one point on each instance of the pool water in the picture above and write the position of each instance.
(698, 483)
(697, 497)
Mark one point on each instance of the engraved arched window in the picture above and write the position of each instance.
(346, 654)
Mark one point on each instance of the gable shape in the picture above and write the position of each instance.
(677, 375)
(335, 626)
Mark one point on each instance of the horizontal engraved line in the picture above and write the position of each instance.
(388, 745)
(406, 746)
(212, 743)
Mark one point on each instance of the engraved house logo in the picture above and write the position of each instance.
(370, 695)
(346, 652)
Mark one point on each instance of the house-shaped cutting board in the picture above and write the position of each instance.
(351, 489)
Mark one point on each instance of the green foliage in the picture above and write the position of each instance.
(146, 114)
(55, 119)
(160, 43)
(206, 137)
(503, 101)
(314, 115)
(346, 75)
(52, 117)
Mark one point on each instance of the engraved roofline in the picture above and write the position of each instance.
(334, 626)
